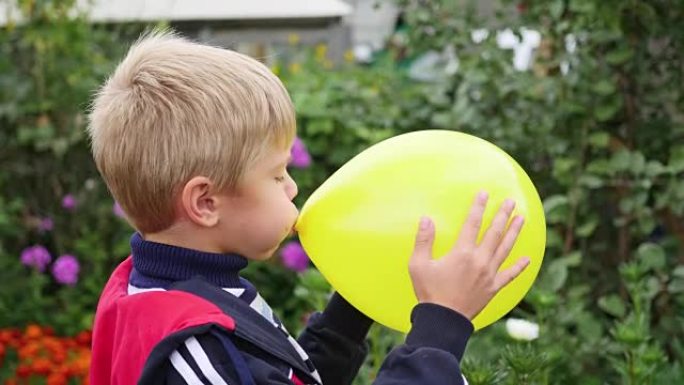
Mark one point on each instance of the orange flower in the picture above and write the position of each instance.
(15, 343)
(70, 343)
(42, 366)
(10, 337)
(23, 371)
(29, 351)
(81, 365)
(56, 379)
(41, 353)
(5, 336)
(63, 369)
(84, 338)
(33, 332)
(58, 357)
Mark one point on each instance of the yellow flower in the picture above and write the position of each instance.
(293, 39)
(321, 51)
(349, 56)
(275, 69)
(295, 68)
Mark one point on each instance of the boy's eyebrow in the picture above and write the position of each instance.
(284, 163)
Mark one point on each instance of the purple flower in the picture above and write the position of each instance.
(118, 211)
(69, 202)
(65, 269)
(45, 224)
(300, 156)
(294, 257)
(36, 256)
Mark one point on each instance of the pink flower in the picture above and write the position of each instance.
(118, 211)
(45, 224)
(36, 256)
(294, 257)
(65, 269)
(69, 202)
(300, 156)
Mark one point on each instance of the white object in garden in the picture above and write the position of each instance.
(521, 329)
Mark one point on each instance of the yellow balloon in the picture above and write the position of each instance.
(359, 226)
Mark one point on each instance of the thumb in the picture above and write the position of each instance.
(422, 251)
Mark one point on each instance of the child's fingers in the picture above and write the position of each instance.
(496, 229)
(505, 277)
(471, 228)
(425, 238)
(508, 241)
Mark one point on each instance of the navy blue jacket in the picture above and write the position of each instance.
(260, 351)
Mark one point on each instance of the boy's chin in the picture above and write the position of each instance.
(265, 254)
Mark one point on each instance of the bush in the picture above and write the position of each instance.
(597, 122)
(51, 200)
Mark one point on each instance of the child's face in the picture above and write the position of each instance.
(261, 214)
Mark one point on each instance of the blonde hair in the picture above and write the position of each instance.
(174, 109)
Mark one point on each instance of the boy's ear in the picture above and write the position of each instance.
(199, 203)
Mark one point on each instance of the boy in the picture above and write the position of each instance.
(193, 142)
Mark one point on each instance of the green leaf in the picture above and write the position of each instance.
(652, 256)
(599, 139)
(573, 259)
(556, 275)
(638, 164)
(553, 239)
(442, 119)
(556, 8)
(320, 126)
(652, 287)
(556, 207)
(606, 111)
(553, 202)
(678, 271)
(589, 329)
(619, 56)
(655, 168)
(591, 181)
(647, 224)
(587, 228)
(582, 6)
(601, 166)
(676, 163)
(621, 160)
(676, 286)
(604, 87)
(613, 305)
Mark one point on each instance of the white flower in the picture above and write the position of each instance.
(521, 329)
(90, 184)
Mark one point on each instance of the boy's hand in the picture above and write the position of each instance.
(466, 278)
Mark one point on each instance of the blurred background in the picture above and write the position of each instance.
(587, 95)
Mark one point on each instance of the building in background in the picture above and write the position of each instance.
(263, 29)
(271, 30)
(260, 28)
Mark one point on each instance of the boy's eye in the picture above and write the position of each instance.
(280, 179)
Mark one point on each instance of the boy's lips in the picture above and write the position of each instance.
(293, 230)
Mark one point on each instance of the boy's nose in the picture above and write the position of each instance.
(293, 190)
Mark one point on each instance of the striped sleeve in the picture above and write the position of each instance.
(195, 363)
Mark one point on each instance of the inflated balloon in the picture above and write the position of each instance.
(359, 226)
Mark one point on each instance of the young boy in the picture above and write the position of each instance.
(193, 142)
